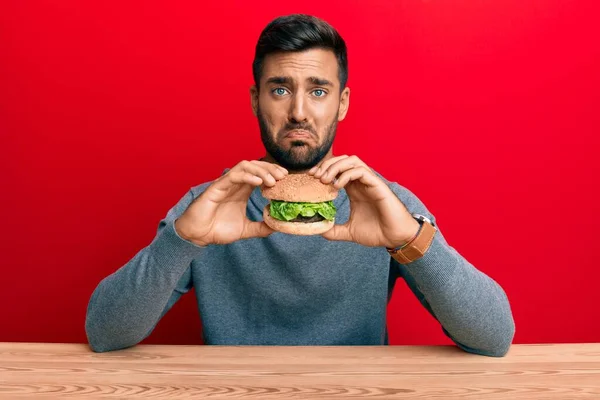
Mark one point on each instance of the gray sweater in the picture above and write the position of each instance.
(295, 290)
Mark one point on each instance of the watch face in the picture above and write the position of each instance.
(421, 218)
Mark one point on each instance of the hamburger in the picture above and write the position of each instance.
(300, 205)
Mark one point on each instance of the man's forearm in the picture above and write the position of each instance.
(126, 305)
(472, 308)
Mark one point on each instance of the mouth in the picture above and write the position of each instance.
(298, 134)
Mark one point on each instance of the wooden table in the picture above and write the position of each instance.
(565, 371)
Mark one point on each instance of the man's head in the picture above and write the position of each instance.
(300, 72)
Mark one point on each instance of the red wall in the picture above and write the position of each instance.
(488, 111)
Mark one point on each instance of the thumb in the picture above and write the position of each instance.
(338, 232)
(256, 229)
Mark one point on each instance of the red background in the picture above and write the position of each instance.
(488, 111)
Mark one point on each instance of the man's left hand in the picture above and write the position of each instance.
(377, 216)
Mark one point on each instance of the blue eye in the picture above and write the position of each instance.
(279, 91)
(320, 90)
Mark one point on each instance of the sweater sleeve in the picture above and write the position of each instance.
(472, 308)
(126, 306)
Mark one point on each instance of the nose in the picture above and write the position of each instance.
(298, 108)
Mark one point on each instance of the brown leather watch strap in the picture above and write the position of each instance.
(417, 247)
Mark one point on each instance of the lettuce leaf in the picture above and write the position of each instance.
(287, 211)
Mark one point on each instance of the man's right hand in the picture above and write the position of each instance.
(218, 216)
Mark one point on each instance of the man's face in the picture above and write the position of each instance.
(298, 106)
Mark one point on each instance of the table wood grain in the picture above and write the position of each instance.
(555, 371)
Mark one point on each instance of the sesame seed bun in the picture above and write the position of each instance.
(300, 188)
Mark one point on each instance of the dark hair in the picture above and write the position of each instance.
(299, 32)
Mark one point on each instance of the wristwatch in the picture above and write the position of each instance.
(418, 245)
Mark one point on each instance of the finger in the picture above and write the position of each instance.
(271, 166)
(256, 229)
(362, 174)
(338, 232)
(324, 164)
(258, 170)
(339, 167)
(238, 185)
(246, 177)
(277, 171)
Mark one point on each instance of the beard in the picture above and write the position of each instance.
(300, 155)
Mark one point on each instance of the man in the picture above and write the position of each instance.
(260, 287)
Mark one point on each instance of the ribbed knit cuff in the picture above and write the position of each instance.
(437, 266)
(172, 251)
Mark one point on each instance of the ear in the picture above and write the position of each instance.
(254, 99)
(344, 103)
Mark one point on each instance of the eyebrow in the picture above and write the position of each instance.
(286, 79)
